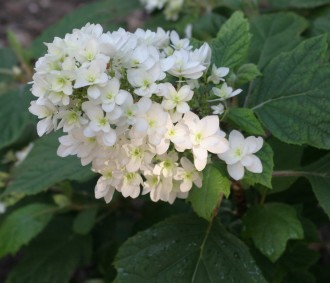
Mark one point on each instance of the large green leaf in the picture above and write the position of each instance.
(292, 98)
(297, 3)
(245, 119)
(52, 257)
(273, 34)
(230, 47)
(14, 114)
(270, 226)
(282, 162)
(206, 199)
(111, 14)
(186, 249)
(43, 168)
(22, 225)
(318, 174)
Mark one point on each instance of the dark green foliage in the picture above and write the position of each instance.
(186, 249)
(57, 232)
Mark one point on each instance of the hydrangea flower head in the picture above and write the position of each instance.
(125, 105)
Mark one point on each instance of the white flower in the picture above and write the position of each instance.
(155, 119)
(131, 183)
(92, 76)
(75, 143)
(2, 208)
(205, 135)
(139, 157)
(61, 81)
(188, 175)
(178, 43)
(168, 165)
(241, 155)
(159, 39)
(112, 96)
(176, 99)
(177, 134)
(45, 111)
(203, 55)
(70, 119)
(218, 74)
(185, 66)
(218, 109)
(157, 186)
(225, 92)
(144, 82)
(106, 184)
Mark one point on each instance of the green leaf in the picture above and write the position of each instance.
(273, 34)
(320, 24)
(230, 47)
(52, 257)
(292, 98)
(207, 26)
(299, 276)
(245, 120)
(206, 199)
(14, 115)
(318, 174)
(282, 162)
(280, 4)
(247, 73)
(22, 225)
(111, 14)
(18, 49)
(271, 226)
(43, 168)
(299, 256)
(7, 62)
(264, 178)
(85, 220)
(186, 249)
(297, 260)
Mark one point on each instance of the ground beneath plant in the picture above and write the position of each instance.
(28, 18)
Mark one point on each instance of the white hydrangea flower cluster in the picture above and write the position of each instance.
(172, 8)
(123, 101)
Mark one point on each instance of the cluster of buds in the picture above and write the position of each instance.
(129, 104)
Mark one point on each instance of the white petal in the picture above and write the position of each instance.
(110, 138)
(108, 197)
(185, 186)
(256, 166)
(210, 125)
(93, 92)
(183, 107)
(43, 126)
(221, 145)
(236, 139)
(200, 163)
(236, 171)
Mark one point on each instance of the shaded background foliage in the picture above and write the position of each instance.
(268, 230)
